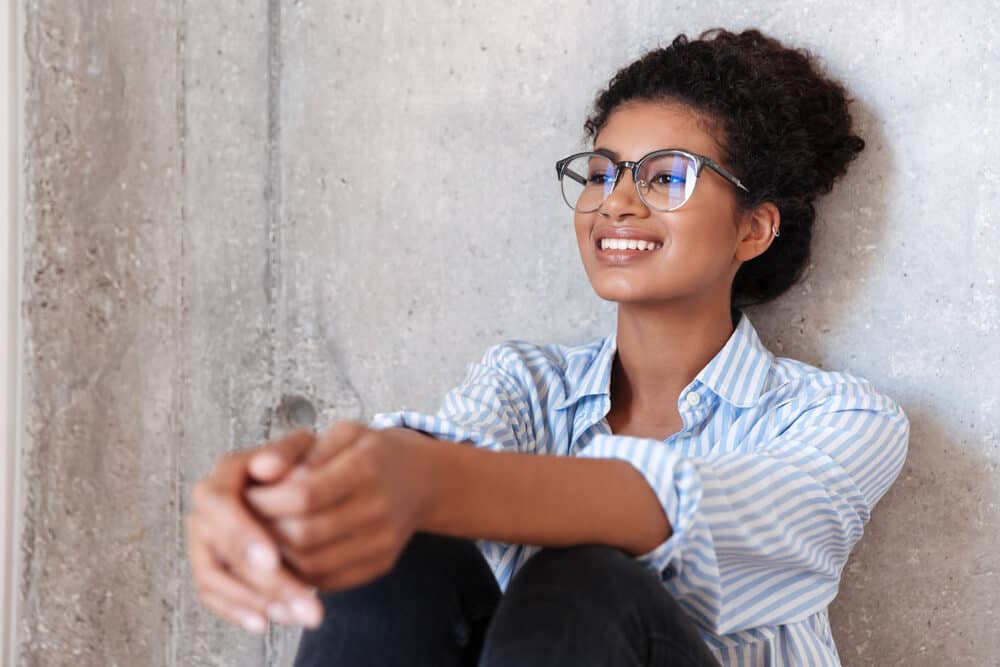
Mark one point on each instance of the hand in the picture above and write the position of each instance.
(234, 560)
(343, 517)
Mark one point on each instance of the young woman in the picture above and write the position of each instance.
(669, 494)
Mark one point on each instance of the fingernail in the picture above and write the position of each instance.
(307, 611)
(266, 462)
(261, 557)
(252, 622)
(279, 613)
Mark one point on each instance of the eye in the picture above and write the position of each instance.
(598, 177)
(667, 178)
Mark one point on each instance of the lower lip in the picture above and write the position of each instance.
(616, 256)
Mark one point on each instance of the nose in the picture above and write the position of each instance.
(624, 199)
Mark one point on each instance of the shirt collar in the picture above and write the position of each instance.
(736, 373)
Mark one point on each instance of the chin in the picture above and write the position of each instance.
(626, 293)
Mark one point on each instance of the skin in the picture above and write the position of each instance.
(674, 306)
(234, 560)
(321, 513)
(333, 511)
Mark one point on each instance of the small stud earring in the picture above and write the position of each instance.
(774, 230)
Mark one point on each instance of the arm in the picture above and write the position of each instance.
(761, 531)
(500, 488)
(537, 499)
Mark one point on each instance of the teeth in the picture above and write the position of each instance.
(629, 244)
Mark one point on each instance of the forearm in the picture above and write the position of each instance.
(538, 499)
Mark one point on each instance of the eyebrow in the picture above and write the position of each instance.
(607, 152)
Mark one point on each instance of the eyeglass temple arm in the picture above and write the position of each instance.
(725, 174)
(569, 172)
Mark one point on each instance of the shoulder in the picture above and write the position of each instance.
(795, 382)
(842, 417)
(845, 414)
(540, 364)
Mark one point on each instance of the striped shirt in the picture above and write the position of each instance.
(767, 487)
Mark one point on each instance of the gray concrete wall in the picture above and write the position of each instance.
(231, 207)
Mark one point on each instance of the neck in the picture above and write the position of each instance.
(661, 351)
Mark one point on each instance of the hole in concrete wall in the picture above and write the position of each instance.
(296, 411)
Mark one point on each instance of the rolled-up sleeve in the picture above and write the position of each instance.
(761, 531)
(488, 409)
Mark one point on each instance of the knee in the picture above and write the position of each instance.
(567, 605)
(586, 578)
(423, 567)
(427, 550)
(418, 608)
(575, 566)
(577, 556)
(598, 595)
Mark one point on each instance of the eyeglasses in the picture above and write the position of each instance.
(664, 178)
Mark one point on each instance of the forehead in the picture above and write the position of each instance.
(636, 128)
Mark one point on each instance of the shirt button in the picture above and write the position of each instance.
(693, 398)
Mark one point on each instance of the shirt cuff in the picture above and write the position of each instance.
(665, 471)
(432, 425)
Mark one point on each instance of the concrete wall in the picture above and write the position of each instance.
(9, 302)
(237, 213)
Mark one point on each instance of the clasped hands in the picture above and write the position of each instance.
(274, 525)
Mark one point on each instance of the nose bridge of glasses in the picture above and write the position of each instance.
(620, 169)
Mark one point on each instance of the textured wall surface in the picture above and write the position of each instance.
(238, 213)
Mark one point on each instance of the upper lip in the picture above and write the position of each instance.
(624, 233)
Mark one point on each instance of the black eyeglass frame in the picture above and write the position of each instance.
(700, 161)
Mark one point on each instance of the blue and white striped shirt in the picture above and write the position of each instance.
(767, 487)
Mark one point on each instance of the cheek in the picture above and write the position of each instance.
(701, 239)
(705, 248)
(706, 227)
(582, 226)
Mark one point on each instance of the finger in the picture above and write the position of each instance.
(237, 607)
(316, 490)
(235, 534)
(357, 574)
(278, 593)
(314, 530)
(223, 584)
(338, 438)
(246, 619)
(370, 544)
(236, 538)
(211, 578)
(273, 461)
(342, 435)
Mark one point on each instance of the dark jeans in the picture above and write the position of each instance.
(440, 606)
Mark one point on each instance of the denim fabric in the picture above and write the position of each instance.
(586, 605)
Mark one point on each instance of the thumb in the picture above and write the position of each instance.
(273, 461)
(342, 435)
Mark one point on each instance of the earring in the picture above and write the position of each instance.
(774, 230)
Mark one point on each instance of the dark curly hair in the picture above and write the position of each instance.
(783, 128)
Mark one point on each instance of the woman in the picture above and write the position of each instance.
(700, 496)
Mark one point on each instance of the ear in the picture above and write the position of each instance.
(755, 230)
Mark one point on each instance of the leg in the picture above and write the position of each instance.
(430, 610)
(590, 605)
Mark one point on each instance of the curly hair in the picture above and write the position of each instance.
(783, 128)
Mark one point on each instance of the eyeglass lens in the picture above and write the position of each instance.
(665, 181)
